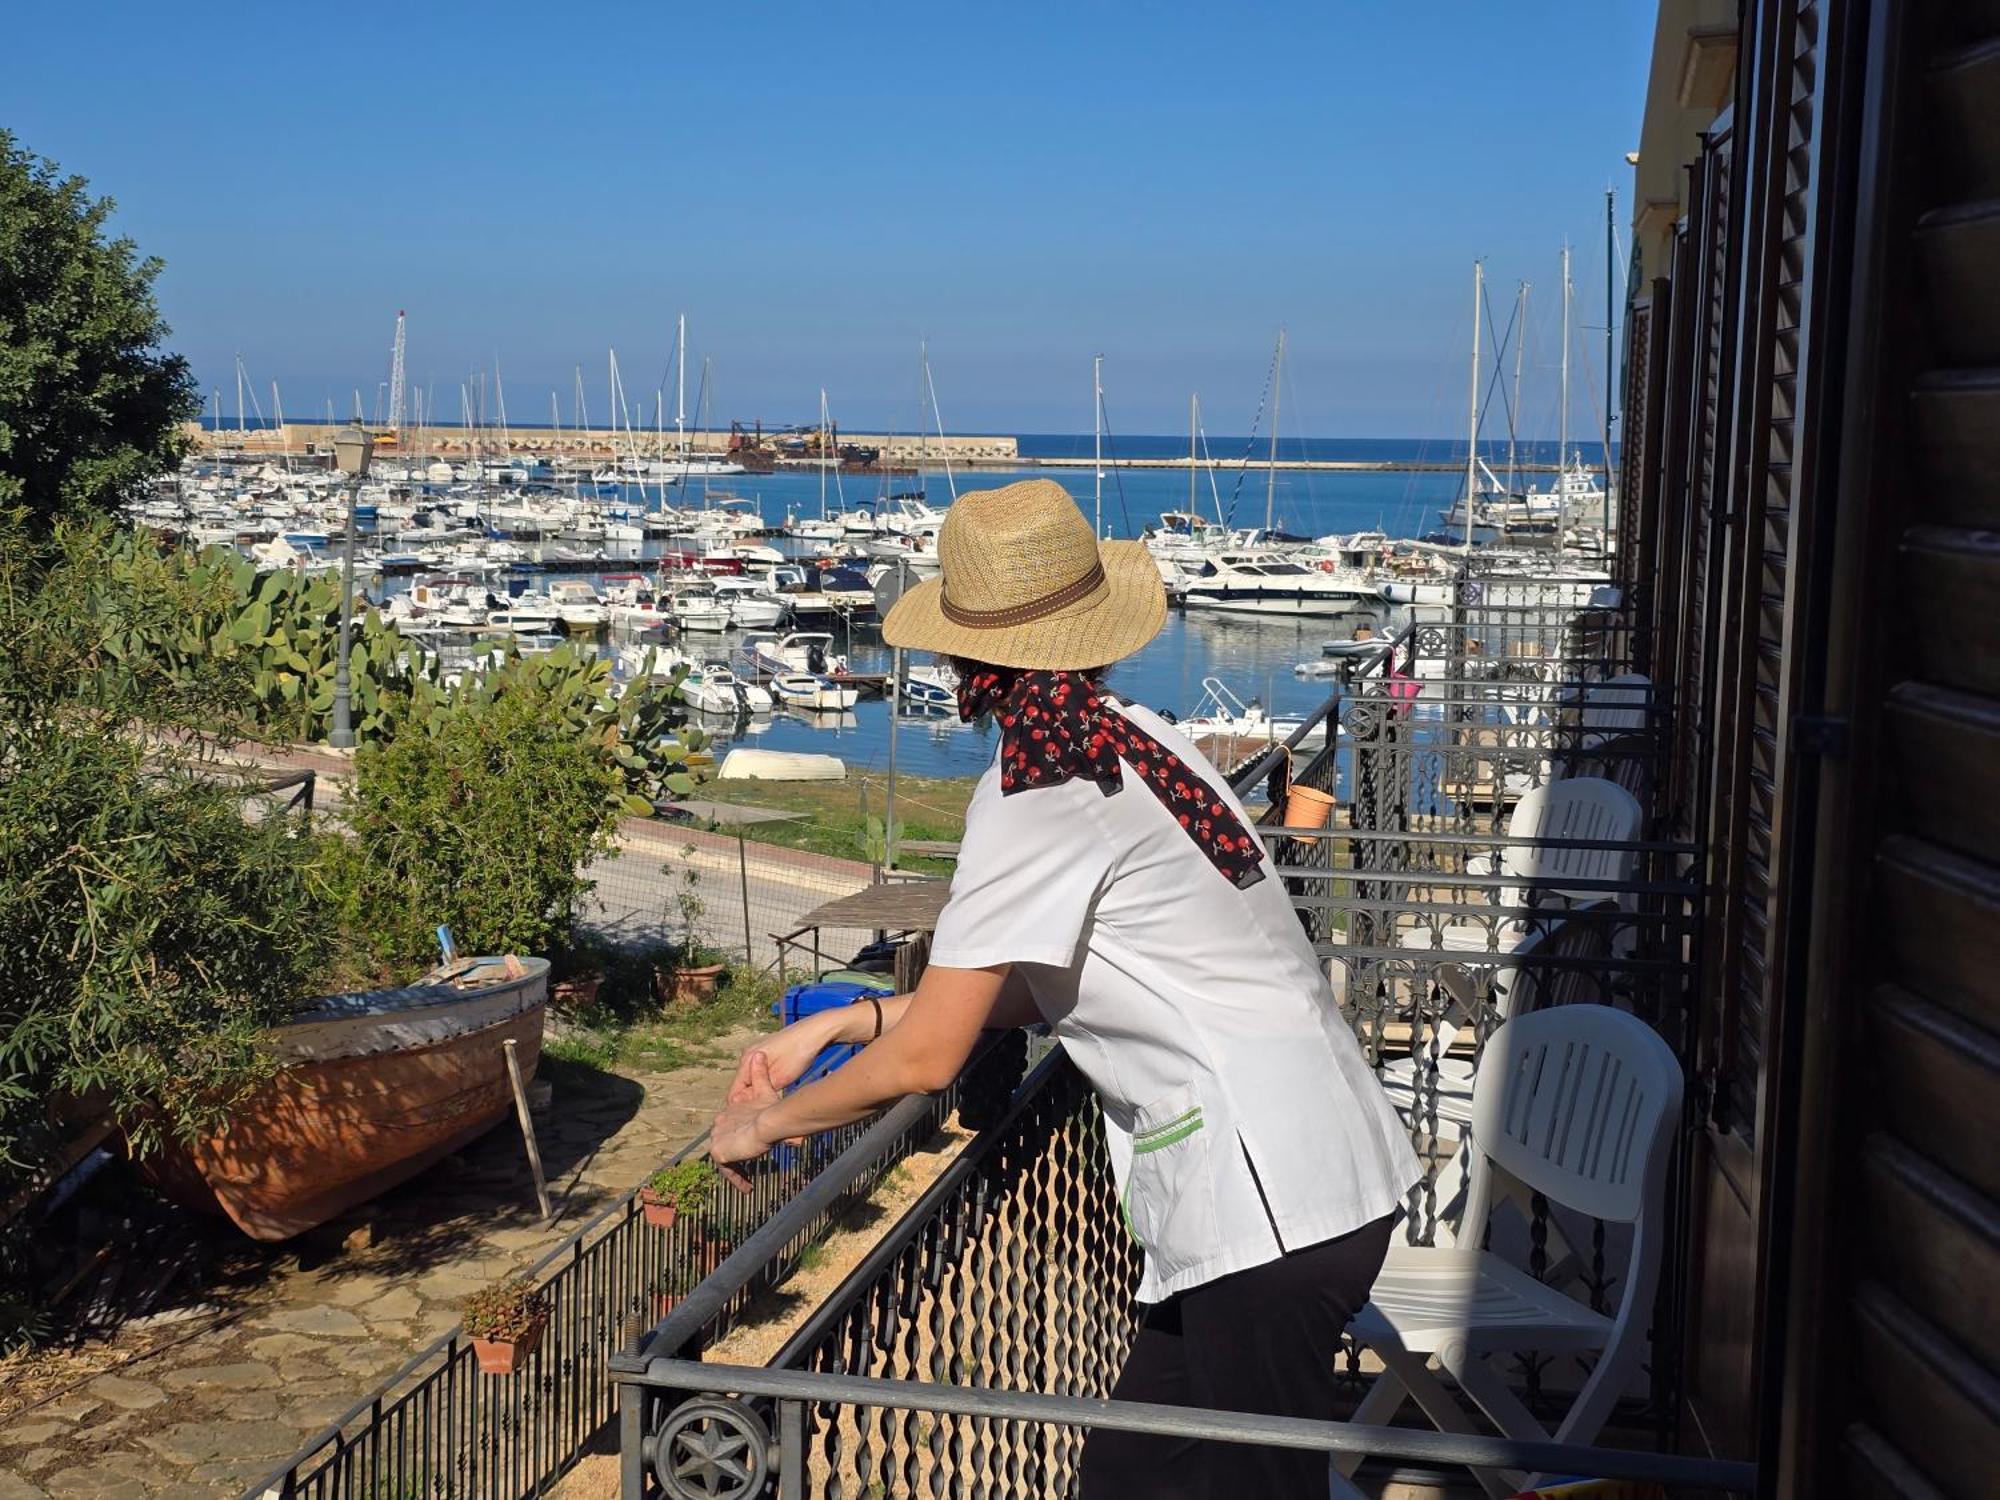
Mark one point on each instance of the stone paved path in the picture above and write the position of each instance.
(291, 1335)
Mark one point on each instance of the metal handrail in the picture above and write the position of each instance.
(1441, 1448)
(685, 1323)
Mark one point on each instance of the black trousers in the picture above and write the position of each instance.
(1261, 1340)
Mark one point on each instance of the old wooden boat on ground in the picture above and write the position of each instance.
(374, 1087)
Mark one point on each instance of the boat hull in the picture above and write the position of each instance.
(372, 1089)
(1244, 601)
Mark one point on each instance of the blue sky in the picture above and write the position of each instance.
(819, 187)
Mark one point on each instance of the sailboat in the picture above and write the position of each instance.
(684, 465)
(826, 527)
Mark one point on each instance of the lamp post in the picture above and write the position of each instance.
(352, 450)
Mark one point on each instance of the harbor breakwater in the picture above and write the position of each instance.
(971, 451)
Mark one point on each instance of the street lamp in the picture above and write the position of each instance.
(352, 450)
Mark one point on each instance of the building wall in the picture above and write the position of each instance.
(1692, 79)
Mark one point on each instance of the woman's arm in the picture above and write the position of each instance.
(790, 1052)
(922, 1052)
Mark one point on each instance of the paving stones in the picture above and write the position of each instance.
(122, 1391)
(89, 1484)
(219, 1441)
(393, 1305)
(329, 1322)
(248, 1376)
(278, 1345)
(14, 1434)
(313, 1328)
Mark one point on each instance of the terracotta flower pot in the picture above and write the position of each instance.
(571, 995)
(665, 1302)
(506, 1356)
(660, 1212)
(1307, 807)
(687, 985)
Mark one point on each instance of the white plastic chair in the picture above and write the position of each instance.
(1578, 810)
(1579, 1104)
(1614, 707)
(1517, 986)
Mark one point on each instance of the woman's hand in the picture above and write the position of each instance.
(738, 1134)
(785, 1054)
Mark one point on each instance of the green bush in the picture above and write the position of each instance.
(483, 825)
(151, 930)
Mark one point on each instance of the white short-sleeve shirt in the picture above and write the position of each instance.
(1242, 1119)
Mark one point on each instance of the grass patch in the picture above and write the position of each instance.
(845, 818)
(625, 1034)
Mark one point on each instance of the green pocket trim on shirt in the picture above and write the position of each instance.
(1172, 1133)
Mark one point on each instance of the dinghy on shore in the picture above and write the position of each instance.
(372, 1088)
(781, 765)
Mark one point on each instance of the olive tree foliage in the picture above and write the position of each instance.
(152, 930)
(90, 404)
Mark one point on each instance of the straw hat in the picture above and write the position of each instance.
(1025, 583)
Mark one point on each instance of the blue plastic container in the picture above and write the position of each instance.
(803, 1000)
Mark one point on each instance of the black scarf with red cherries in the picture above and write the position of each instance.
(1061, 726)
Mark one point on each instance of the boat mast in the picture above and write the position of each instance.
(822, 452)
(1610, 262)
(1097, 429)
(944, 448)
(396, 378)
(1472, 430)
(681, 391)
(1514, 416)
(500, 400)
(1562, 413)
(1271, 476)
(1194, 421)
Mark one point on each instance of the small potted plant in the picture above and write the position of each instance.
(505, 1322)
(675, 1281)
(575, 992)
(688, 977)
(688, 1185)
(717, 1240)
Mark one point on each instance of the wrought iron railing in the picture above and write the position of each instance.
(973, 1345)
(438, 1428)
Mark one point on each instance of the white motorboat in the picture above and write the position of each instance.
(697, 606)
(926, 690)
(751, 605)
(820, 694)
(1357, 647)
(1270, 583)
(638, 661)
(634, 604)
(1223, 714)
(715, 689)
(814, 529)
(525, 616)
(808, 651)
(689, 467)
(454, 601)
(577, 604)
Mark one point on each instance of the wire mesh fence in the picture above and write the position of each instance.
(738, 883)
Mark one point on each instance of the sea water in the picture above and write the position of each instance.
(1253, 656)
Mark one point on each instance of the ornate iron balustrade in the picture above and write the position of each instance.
(756, 1437)
(970, 1349)
(438, 1428)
